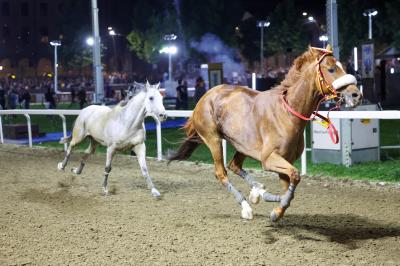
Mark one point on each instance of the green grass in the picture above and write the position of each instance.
(386, 170)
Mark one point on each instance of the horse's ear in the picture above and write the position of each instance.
(147, 83)
(158, 85)
(329, 47)
(314, 52)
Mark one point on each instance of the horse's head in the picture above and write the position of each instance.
(331, 79)
(154, 102)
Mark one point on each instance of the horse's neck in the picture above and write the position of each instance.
(133, 114)
(303, 96)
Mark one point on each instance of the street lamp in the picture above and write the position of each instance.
(262, 24)
(370, 13)
(90, 41)
(55, 43)
(170, 50)
(323, 39)
(112, 33)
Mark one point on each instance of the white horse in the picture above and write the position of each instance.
(118, 128)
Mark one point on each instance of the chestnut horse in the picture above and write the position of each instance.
(267, 126)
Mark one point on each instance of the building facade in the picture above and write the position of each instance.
(26, 28)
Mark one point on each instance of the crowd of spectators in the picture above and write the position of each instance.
(16, 92)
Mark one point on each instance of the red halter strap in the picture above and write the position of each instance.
(326, 122)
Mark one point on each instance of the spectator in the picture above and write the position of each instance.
(50, 99)
(199, 89)
(73, 94)
(12, 99)
(182, 95)
(82, 96)
(2, 98)
(26, 98)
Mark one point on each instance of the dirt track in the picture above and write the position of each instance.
(51, 217)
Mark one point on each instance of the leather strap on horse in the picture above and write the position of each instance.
(325, 121)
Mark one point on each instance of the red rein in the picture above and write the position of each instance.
(326, 122)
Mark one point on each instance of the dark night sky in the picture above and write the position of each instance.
(262, 8)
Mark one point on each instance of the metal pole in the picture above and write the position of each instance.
(332, 24)
(97, 67)
(253, 81)
(304, 157)
(1, 130)
(262, 51)
(28, 121)
(370, 26)
(159, 142)
(170, 66)
(355, 59)
(64, 124)
(55, 70)
(224, 150)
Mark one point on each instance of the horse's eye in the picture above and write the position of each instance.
(151, 98)
(332, 69)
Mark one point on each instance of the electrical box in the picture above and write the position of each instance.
(358, 140)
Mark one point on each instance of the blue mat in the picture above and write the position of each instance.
(56, 136)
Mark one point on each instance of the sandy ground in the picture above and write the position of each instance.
(49, 217)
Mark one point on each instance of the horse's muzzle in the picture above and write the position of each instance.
(162, 116)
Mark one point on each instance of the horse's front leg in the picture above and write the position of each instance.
(140, 150)
(276, 163)
(107, 169)
(257, 189)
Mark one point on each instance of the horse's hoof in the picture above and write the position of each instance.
(75, 170)
(275, 215)
(247, 212)
(105, 192)
(254, 195)
(60, 166)
(155, 193)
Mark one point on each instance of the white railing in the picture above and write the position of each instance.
(176, 113)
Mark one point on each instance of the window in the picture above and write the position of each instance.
(43, 9)
(5, 9)
(6, 31)
(25, 34)
(61, 8)
(44, 34)
(24, 9)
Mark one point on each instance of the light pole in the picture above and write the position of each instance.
(370, 13)
(323, 39)
(170, 50)
(55, 43)
(97, 67)
(262, 24)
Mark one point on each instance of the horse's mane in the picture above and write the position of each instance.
(133, 90)
(296, 71)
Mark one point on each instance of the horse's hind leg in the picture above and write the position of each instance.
(215, 146)
(90, 150)
(140, 151)
(257, 189)
(78, 135)
(107, 169)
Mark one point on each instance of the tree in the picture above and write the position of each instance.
(149, 27)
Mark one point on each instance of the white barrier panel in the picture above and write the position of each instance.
(188, 113)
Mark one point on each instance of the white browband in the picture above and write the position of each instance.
(344, 81)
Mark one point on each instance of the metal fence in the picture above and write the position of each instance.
(175, 113)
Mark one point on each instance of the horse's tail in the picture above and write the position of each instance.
(65, 139)
(188, 145)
